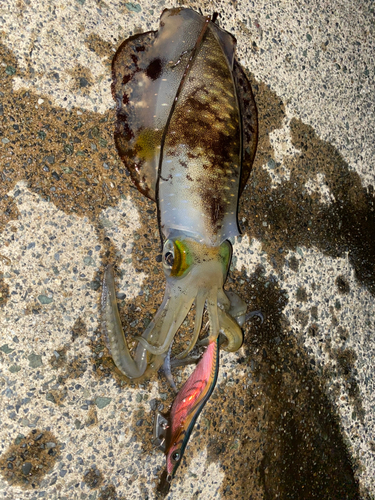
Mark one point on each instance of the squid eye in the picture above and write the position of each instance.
(169, 259)
(168, 255)
(176, 258)
(176, 456)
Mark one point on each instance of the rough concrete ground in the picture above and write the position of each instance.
(292, 415)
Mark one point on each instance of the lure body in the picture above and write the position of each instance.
(188, 405)
(187, 131)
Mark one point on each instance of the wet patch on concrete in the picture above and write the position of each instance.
(29, 459)
(67, 157)
(290, 438)
(102, 48)
(68, 366)
(109, 493)
(79, 330)
(82, 80)
(4, 291)
(338, 220)
(92, 417)
(342, 284)
(93, 478)
(8, 209)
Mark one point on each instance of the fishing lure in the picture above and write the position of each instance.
(172, 434)
(186, 130)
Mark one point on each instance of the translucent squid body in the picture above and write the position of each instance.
(187, 131)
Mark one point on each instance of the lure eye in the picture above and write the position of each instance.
(176, 456)
(176, 258)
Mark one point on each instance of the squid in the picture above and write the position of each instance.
(186, 130)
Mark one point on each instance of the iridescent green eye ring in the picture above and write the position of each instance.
(225, 253)
(182, 259)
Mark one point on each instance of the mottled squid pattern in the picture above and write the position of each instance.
(186, 130)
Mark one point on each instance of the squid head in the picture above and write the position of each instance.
(195, 273)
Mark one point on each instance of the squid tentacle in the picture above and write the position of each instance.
(230, 328)
(199, 309)
(178, 319)
(115, 335)
(213, 316)
(167, 369)
(237, 307)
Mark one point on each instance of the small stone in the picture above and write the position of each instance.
(271, 164)
(19, 439)
(10, 70)
(94, 285)
(83, 82)
(50, 397)
(102, 402)
(26, 468)
(43, 299)
(35, 360)
(68, 149)
(6, 349)
(14, 368)
(133, 7)
(50, 444)
(94, 132)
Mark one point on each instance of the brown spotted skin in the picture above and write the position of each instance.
(125, 65)
(186, 123)
(249, 118)
(201, 163)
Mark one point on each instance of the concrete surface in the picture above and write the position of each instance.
(293, 413)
